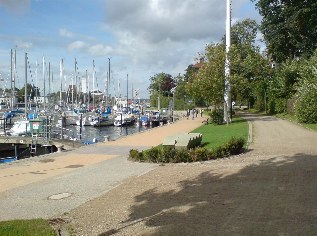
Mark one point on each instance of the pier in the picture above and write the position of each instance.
(34, 145)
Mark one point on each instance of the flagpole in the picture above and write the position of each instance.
(227, 98)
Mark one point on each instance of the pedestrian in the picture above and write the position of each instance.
(193, 113)
(201, 112)
(197, 112)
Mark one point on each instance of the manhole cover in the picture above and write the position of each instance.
(59, 196)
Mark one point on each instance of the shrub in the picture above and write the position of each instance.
(306, 104)
(152, 154)
(135, 155)
(167, 154)
(163, 154)
(218, 152)
(181, 156)
(234, 146)
(216, 116)
(199, 154)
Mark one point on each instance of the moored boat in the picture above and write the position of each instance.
(20, 127)
(124, 119)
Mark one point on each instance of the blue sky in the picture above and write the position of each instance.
(141, 37)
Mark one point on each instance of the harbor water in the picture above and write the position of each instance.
(88, 134)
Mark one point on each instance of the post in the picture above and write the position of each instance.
(173, 107)
(81, 126)
(16, 151)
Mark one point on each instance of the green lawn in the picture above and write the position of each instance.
(36, 227)
(217, 135)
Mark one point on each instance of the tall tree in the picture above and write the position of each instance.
(208, 82)
(289, 27)
(162, 83)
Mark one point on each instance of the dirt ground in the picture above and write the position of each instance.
(269, 190)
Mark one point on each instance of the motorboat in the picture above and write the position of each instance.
(144, 120)
(20, 127)
(104, 120)
(68, 118)
(124, 119)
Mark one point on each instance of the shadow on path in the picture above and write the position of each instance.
(276, 197)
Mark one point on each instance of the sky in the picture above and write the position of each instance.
(140, 38)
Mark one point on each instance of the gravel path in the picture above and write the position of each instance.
(270, 190)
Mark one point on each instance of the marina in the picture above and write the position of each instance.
(42, 136)
(35, 120)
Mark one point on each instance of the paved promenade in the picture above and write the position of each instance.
(50, 185)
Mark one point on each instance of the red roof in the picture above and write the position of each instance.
(199, 64)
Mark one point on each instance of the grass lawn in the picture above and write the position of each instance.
(36, 227)
(217, 135)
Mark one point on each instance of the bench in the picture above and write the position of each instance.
(205, 121)
(183, 141)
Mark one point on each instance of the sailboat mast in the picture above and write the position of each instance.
(76, 83)
(44, 95)
(12, 93)
(36, 88)
(49, 79)
(25, 86)
(128, 92)
(108, 81)
(87, 91)
(60, 77)
(93, 84)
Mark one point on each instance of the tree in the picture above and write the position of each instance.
(289, 27)
(306, 94)
(162, 83)
(29, 90)
(244, 33)
(249, 68)
(160, 87)
(208, 82)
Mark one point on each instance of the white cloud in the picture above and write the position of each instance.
(65, 33)
(94, 50)
(162, 32)
(99, 50)
(77, 45)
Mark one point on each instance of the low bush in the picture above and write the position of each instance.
(161, 154)
(216, 116)
(234, 146)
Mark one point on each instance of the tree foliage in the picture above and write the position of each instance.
(30, 89)
(289, 27)
(162, 83)
(306, 95)
(208, 82)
